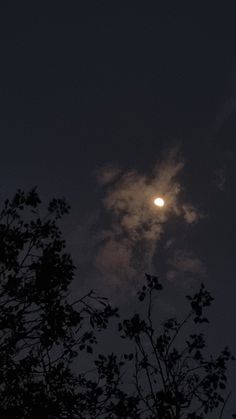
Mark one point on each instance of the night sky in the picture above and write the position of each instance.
(108, 105)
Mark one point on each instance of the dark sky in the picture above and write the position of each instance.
(86, 87)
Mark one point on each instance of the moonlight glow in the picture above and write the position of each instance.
(159, 202)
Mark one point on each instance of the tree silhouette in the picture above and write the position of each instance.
(172, 375)
(43, 331)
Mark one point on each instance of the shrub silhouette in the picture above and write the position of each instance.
(43, 332)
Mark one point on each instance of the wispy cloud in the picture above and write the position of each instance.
(190, 214)
(107, 174)
(126, 247)
(184, 264)
(220, 179)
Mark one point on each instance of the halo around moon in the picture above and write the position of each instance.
(159, 202)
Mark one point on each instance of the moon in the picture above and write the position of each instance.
(159, 202)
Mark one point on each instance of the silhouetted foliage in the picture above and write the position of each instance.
(172, 375)
(43, 332)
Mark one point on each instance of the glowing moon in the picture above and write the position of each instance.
(159, 202)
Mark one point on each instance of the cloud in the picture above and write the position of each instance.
(222, 174)
(228, 107)
(134, 225)
(107, 174)
(185, 265)
(220, 179)
(113, 258)
(190, 214)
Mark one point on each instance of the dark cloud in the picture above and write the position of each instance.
(185, 265)
(220, 179)
(107, 174)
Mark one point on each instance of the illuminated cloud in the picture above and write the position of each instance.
(190, 214)
(128, 244)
